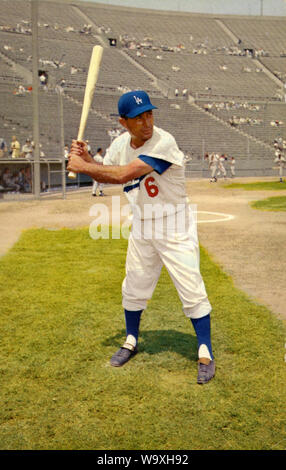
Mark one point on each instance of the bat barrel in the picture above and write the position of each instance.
(89, 92)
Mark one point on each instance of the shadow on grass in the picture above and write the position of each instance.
(158, 341)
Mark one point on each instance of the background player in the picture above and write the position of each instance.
(148, 162)
(213, 161)
(280, 160)
(221, 169)
(232, 166)
(98, 158)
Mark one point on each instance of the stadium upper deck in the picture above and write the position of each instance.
(213, 57)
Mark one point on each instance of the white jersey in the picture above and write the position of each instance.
(153, 190)
(280, 160)
(213, 159)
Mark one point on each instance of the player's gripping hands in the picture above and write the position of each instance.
(78, 157)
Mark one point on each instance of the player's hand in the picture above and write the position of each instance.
(79, 148)
(76, 163)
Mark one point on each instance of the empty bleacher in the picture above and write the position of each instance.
(174, 51)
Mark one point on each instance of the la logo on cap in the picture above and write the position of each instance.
(137, 99)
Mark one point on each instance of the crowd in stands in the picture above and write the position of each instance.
(229, 105)
(24, 27)
(279, 143)
(132, 43)
(16, 151)
(191, 45)
(238, 120)
(17, 181)
(22, 90)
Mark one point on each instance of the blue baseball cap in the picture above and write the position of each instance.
(133, 103)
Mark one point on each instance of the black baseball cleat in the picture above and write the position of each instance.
(122, 356)
(206, 371)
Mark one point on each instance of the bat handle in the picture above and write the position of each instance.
(72, 175)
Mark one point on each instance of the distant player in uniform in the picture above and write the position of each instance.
(280, 160)
(232, 166)
(212, 161)
(149, 164)
(98, 158)
(221, 169)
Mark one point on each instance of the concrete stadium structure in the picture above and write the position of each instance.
(228, 66)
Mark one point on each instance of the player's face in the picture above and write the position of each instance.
(140, 128)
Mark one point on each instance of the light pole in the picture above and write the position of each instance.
(59, 91)
(35, 87)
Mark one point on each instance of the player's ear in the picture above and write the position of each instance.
(123, 122)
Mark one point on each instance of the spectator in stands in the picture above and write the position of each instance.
(73, 70)
(15, 147)
(276, 123)
(62, 83)
(99, 160)
(20, 91)
(23, 181)
(27, 150)
(3, 147)
(7, 181)
(43, 81)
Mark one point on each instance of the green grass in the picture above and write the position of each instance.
(271, 204)
(259, 186)
(61, 320)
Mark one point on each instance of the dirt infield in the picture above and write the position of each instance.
(247, 243)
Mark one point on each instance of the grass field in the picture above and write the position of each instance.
(258, 186)
(61, 320)
(277, 203)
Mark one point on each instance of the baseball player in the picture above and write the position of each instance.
(221, 169)
(149, 164)
(232, 166)
(98, 158)
(213, 161)
(280, 160)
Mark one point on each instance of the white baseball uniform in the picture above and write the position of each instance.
(232, 167)
(213, 161)
(221, 167)
(99, 159)
(280, 160)
(164, 228)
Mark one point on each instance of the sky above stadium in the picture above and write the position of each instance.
(228, 7)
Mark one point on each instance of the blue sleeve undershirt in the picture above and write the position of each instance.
(159, 165)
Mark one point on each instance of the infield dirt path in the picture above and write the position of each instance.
(250, 247)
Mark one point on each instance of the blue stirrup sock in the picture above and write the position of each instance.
(202, 328)
(132, 322)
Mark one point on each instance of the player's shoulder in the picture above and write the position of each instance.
(165, 136)
(119, 141)
(163, 145)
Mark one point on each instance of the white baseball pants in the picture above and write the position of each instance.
(179, 252)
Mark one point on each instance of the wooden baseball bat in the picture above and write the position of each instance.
(89, 92)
